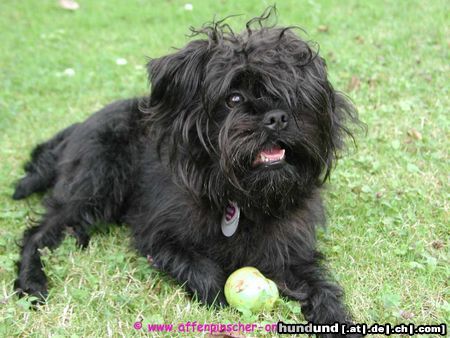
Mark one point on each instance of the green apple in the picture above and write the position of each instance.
(248, 290)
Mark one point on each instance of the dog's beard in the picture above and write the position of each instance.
(268, 190)
(263, 170)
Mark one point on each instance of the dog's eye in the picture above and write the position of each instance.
(234, 99)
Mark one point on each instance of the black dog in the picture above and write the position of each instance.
(219, 168)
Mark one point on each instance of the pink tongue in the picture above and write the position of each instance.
(273, 153)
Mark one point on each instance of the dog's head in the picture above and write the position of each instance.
(250, 117)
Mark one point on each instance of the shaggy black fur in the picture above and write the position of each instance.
(169, 164)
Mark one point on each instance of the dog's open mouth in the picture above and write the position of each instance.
(270, 156)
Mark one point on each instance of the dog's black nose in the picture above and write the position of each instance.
(276, 120)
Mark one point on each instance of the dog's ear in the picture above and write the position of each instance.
(176, 78)
(174, 108)
(333, 111)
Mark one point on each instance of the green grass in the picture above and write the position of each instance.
(388, 234)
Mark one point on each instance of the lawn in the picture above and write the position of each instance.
(388, 234)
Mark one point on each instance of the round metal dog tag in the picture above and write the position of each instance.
(230, 219)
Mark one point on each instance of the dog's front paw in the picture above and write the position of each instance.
(206, 282)
(216, 299)
(210, 293)
(35, 289)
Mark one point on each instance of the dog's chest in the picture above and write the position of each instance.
(247, 245)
